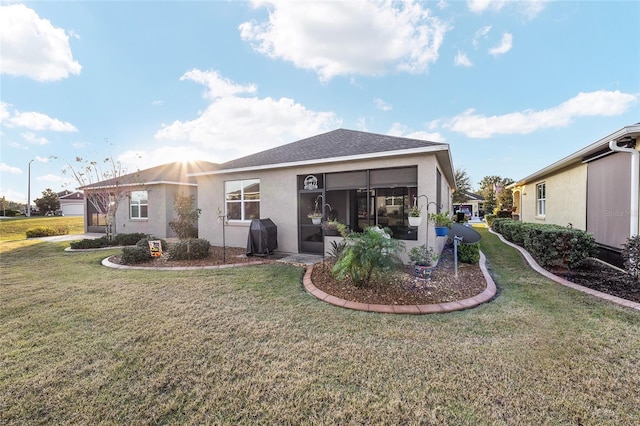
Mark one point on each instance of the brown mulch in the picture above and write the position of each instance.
(217, 256)
(405, 289)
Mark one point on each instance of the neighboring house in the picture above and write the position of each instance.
(148, 204)
(361, 178)
(594, 189)
(473, 202)
(71, 203)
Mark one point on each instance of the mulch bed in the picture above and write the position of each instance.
(601, 277)
(405, 289)
(217, 256)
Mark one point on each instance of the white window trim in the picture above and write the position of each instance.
(541, 202)
(241, 201)
(139, 205)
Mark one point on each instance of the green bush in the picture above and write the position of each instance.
(102, 242)
(368, 257)
(47, 231)
(128, 239)
(189, 249)
(550, 245)
(631, 256)
(469, 253)
(489, 218)
(135, 254)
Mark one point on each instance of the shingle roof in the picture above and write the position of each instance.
(176, 172)
(335, 144)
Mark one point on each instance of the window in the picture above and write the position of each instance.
(242, 199)
(139, 208)
(541, 199)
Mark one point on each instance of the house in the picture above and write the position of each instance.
(474, 203)
(147, 202)
(359, 178)
(594, 189)
(71, 203)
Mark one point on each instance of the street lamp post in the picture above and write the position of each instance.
(29, 191)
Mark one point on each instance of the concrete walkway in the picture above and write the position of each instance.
(71, 237)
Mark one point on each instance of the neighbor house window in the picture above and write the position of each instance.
(242, 199)
(138, 204)
(541, 198)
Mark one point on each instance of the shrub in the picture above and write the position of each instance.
(469, 253)
(135, 254)
(489, 218)
(504, 214)
(368, 257)
(186, 224)
(47, 231)
(102, 242)
(128, 239)
(631, 256)
(337, 248)
(189, 249)
(550, 245)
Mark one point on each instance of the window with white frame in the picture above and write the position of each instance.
(242, 199)
(541, 199)
(139, 205)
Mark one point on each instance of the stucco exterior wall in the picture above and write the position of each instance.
(566, 198)
(160, 210)
(279, 199)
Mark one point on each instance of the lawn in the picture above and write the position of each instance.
(84, 344)
(13, 229)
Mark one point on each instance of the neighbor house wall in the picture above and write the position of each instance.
(279, 199)
(566, 198)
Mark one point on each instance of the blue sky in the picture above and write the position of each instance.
(511, 86)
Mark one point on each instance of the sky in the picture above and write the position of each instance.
(511, 86)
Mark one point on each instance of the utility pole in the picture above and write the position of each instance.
(29, 191)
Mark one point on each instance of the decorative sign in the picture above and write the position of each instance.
(155, 247)
(311, 182)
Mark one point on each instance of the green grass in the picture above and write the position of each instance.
(84, 344)
(12, 229)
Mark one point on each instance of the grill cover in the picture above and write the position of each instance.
(263, 237)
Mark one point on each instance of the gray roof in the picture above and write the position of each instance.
(175, 173)
(334, 144)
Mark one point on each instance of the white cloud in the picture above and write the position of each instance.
(4, 111)
(158, 102)
(33, 47)
(462, 60)
(382, 105)
(5, 168)
(600, 103)
(33, 139)
(482, 33)
(38, 121)
(348, 37)
(233, 126)
(506, 43)
(400, 130)
(218, 87)
(529, 8)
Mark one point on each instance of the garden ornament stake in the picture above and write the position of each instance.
(415, 204)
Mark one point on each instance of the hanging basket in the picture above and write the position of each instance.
(316, 220)
(414, 220)
(441, 231)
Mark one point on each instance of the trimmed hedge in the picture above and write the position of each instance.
(189, 249)
(489, 218)
(469, 253)
(135, 254)
(550, 245)
(102, 242)
(46, 231)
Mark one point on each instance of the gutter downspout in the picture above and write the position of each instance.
(635, 184)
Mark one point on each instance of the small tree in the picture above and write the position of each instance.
(463, 185)
(186, 224)
(368, 256)
(49, 201)
(105, 184)
(631, 256)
